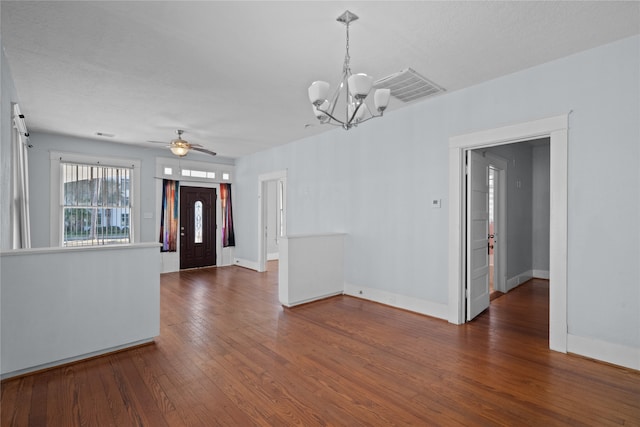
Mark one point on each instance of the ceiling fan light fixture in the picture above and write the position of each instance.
(179, 150)
(179, 147)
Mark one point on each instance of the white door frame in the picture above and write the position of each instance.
(262, 212)
(556, 128)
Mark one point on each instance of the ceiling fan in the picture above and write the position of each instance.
(181, 147)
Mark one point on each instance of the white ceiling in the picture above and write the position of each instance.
(234, 75)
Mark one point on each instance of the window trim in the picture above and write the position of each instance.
(56, 158)
(180, 166)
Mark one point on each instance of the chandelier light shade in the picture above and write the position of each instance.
(318, 92)
(359, 85)
(381, 99)
(354, 90)
(317, 110)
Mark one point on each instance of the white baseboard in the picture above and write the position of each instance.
(616, 354)
(308, 300)
(273, 256)
(245, 263)
(517, 280)
(541, 274)
(404, 302)
(171, 260)
(226, 256)
(74, 359)
(224, 265)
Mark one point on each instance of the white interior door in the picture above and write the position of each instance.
(477, 235)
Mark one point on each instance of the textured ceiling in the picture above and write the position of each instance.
(234, 75)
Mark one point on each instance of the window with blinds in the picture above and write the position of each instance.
(96, 204)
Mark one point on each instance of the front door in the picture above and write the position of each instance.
(197, 227)
(477, 235)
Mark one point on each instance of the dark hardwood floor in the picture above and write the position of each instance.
(230, 355)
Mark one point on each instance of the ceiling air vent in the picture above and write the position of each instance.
(407, 85)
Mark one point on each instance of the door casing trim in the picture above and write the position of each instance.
(556, 128)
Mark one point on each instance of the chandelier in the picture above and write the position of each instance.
(355, 87)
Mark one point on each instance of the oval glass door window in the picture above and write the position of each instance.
(198, 222)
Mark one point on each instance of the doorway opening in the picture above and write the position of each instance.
(492, 223)
(274, 221)
(556, 129)
(496, 287)
(272, 217)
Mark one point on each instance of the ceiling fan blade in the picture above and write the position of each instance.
(179, 142)
(203, 150)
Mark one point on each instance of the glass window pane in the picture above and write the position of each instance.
(281, 208)
(198, 222)
(96, 205)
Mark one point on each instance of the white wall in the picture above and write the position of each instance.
(39, 177)
(311, 268)
(541, 192)
(376, 183)
(39, 166)
(74, 304)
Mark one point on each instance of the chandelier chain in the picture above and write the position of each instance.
(346, 69)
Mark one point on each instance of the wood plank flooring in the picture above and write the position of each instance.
(230, 355)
